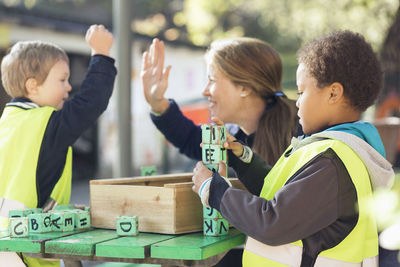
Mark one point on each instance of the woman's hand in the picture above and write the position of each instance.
(236, 147)
(155, 77)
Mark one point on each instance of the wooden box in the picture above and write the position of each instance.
(164, 203)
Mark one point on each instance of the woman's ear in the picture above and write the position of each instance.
(244, 91)
(31, 87)
(336, 93)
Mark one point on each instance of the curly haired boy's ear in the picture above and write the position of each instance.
(336, 93)
(31, 86)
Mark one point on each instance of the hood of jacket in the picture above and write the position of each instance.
(364, 139)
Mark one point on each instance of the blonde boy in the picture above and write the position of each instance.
(39, 125)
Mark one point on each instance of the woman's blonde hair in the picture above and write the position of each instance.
(255, 65)
(28, 59)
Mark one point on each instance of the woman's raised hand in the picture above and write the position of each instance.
(155, 77)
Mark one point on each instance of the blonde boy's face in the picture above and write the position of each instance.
(312, 103)
(54, 90)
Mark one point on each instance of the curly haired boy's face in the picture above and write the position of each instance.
(312, 103)
(54, 90)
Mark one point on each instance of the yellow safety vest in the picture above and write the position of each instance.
(359, 248)
(21, 136)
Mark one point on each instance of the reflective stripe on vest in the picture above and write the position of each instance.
(362, 242)
(290, 255)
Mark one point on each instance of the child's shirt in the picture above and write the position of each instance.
(323, 188)
(67, 124)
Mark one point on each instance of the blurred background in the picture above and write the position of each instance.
(124, 133)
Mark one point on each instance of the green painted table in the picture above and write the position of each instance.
(191, 249)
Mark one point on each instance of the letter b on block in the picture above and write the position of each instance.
(127, 225)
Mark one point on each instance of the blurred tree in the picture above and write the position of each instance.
(390, 58)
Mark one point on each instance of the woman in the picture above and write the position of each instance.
(244, 89)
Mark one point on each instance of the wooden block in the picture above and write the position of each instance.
(206, 133)
(57, 222)
(222, 134)
(127, 225)
(215, 227)
(210, 213)
(39, 222)
(68, 221)
(36, 210)
(19, 227)
(148, 170)
(19, 213)
(64, 207)
(82, 219)
(211, 154)
(212, 167)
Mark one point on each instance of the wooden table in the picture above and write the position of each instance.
(191, 249)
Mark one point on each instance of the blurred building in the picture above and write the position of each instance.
(95, 153)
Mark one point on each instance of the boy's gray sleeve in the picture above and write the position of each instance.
(310, 201)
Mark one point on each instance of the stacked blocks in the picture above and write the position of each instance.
(213, 138)
(213, 223)
(34, 221)
(127, 225)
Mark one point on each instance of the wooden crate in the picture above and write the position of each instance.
(164, 203)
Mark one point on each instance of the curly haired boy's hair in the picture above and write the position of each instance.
(345, 57)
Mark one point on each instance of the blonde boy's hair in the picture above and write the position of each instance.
(28, 59)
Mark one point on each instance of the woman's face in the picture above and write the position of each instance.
(223, 95)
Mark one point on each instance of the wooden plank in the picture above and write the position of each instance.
(165, 178)
(79, 244)
(137, 247)
(31, 244)
(196, 246)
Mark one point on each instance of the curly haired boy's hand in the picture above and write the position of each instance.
(99, 39)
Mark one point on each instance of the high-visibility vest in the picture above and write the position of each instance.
(359, 248)
(21, 136)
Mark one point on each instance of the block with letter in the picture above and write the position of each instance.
(39, 222)
(215, 227)
(148, 170)
(82, 219)
(19, 213)
(127, 225)
(19, 227)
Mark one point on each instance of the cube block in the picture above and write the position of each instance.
(19, 227)
(215, 227)
(19, 213)
(127, 225)
(39, 222)
(148, 170)
(82, 219)
(211, 213)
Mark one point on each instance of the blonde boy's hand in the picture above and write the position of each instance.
(99, 39)
(155, 77)
(237, 148)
